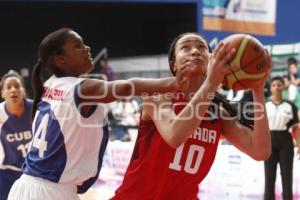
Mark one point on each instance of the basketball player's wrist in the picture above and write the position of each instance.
(210, 86)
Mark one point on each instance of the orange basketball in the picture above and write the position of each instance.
(249, 65)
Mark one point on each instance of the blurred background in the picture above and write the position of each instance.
(135, 30)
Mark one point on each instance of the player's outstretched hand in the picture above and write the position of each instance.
(218, 65)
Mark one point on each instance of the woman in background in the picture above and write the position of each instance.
(15, 130)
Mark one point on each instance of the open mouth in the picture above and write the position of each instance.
(14, 98)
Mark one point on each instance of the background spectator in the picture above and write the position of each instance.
(126, 117)
(292, 81)
(105, 69)
(15, 130)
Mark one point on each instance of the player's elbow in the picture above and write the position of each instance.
(262, 155)
(174, 144)
(174, 141)
(179, 135)
(266, 155)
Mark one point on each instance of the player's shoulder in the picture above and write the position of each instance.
(157, 98)
(29, 101)
(151, 105)
(157, 102)
(64, 81)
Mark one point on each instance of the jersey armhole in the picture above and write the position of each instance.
(78, 104)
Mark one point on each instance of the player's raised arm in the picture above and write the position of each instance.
(93, 90)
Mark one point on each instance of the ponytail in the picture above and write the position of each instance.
(50, 46)
(38, 88)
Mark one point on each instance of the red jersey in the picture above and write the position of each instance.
(159, 172)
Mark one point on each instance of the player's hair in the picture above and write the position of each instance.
(50, 46)
(11, 73)
(292, 61)
(277, 78)
(171, 54)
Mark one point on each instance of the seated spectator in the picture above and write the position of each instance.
(125, 117)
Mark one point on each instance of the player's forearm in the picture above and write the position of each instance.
(186, 122)
(145, 86)
(261, 133)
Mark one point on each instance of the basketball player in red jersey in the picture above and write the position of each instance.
(178, 133)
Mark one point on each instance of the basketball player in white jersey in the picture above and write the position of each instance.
(70, 128)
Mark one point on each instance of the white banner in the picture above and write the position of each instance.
(249, 16)
(251, 10)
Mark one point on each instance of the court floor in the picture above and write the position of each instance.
(97, 194)
(105, 192)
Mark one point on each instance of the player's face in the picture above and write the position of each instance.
(77, 56)
(277, 87)
(293, 69)
(13, 91)
(191, 51)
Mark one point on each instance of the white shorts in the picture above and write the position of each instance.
(34, 188)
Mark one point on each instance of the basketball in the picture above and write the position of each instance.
(249, 65)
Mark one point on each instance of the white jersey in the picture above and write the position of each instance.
(68, 144)
(281, 116)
